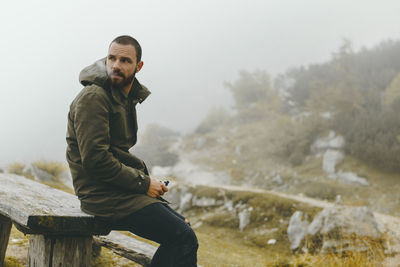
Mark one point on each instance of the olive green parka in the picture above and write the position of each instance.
(102, 126)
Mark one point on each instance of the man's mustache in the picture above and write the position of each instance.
(117, 73)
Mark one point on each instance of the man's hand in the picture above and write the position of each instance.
(156, 188)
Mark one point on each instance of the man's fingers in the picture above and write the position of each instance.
(164, 188)
(157, 188)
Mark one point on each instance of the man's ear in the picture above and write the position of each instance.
(139, 66)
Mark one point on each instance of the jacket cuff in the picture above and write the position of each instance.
(143, 183)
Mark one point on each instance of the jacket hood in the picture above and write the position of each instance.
(97, 74)
(94, 74)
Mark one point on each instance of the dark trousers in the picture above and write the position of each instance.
(160, 223)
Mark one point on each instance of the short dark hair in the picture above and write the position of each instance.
(129, 40)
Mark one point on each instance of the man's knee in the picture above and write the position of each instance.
(189, 240)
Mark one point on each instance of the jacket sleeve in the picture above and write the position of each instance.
(129, 160)
(91, 125)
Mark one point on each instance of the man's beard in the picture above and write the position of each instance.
(121, 83)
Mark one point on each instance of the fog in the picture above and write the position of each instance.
(189, 49)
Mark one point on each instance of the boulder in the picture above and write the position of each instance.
(244, 218)
(335, 229)
(179, 196)
(351, 178)
(332, 141)
(206, 202)
(297, 229)
(330, 159)
(185, 202)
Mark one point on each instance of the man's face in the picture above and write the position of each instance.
(121, 64)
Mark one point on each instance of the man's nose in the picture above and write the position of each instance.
(115, 65)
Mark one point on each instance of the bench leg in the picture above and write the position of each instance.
(59, 251)
(5, 228)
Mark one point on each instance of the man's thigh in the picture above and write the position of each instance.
(157, 222)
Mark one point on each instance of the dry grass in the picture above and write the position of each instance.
(16, 168)
(52, 167)
(55, 168)
(224, 248)
(13, 262)
(332, 260)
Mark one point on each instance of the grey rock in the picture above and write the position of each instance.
(244, 218)
(277, 180)
(337, 226)
(205, 202)
(351, 178)
(338, 200)
(66, 178)
(185, 202)
(228, 205)
(38, 174)
(179, 196)
(1, 170)
(330, 159)
(332, 141)
(297, 229)
(237, 150)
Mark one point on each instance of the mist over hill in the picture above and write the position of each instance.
(322, 130)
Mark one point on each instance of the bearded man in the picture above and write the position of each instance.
(111, 183)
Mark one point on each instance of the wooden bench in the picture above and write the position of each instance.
(60, 233)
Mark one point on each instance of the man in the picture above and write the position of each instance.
(111, 183)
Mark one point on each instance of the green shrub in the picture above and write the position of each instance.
(250, 88)
(373, 135)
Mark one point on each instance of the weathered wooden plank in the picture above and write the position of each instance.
(128, 247)
(39, 251)
(5, 228)
(59, 251)
(37, 208)
(72, 252)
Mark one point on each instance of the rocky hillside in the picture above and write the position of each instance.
(327, 131)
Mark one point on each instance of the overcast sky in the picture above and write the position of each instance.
(189, 49)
